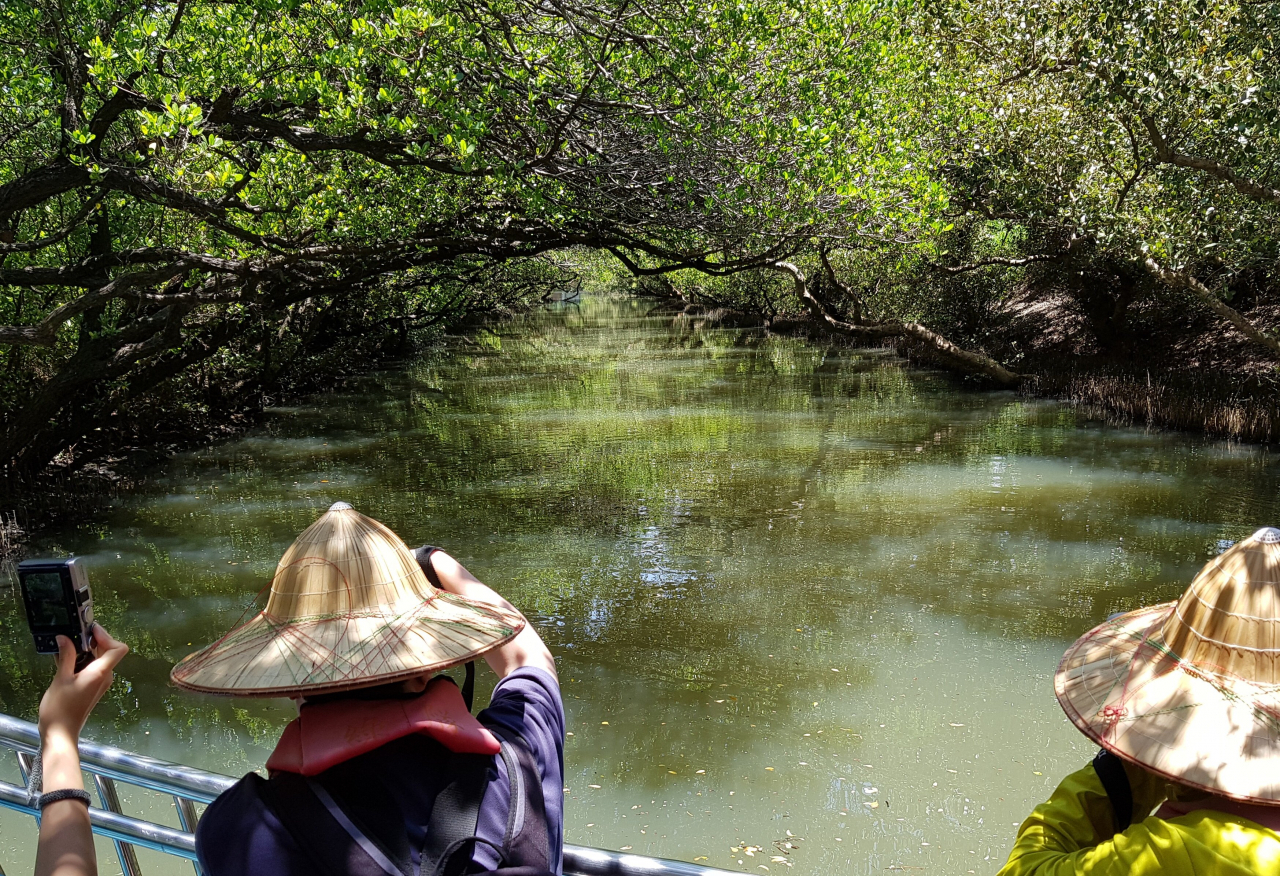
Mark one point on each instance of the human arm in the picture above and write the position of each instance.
(1072, 833)
(526, 649)
(65, 845)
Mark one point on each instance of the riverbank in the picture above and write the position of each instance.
(191, 411)
(1184, 371)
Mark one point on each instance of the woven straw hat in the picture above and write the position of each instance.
(349, 606)
(1191, 689)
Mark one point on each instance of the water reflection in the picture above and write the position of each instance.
(790, 588)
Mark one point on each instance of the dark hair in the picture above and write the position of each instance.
(393, 690)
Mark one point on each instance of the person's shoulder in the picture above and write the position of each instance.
(235, 804)
(239, 834)
(529, 679)
(527, 700)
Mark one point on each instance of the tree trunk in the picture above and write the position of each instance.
(956, 357)
(1214, 303)
(29, 444)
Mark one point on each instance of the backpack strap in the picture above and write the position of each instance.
(325, 834)
(455, 816)
(1115, 782)
(527, 841)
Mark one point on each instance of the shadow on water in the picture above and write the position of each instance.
(739, 546)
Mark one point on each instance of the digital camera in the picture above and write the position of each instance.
(58, 602)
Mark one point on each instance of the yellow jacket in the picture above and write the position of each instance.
(1073, 835)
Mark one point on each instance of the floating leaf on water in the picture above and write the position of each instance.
(778, 859)
(604, 723)
(702, 858)
(673, 772)
(770, 769)
(1038, 773)
(871, 804)
(702, 772)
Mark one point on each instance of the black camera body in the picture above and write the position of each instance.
(58, 602)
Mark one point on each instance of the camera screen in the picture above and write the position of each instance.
(46, 600)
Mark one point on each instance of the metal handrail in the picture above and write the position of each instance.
(189, 785)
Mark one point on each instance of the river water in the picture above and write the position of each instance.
(796, 594)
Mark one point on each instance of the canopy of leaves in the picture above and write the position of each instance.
(181, 179)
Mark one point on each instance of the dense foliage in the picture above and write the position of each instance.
(205, 203)
(221, 190)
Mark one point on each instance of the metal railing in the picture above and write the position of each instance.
(189, 786)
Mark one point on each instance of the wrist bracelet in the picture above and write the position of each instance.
(65, 794)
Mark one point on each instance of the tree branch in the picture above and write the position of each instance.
(956, 357)
(1214, 303)
(1168, 155)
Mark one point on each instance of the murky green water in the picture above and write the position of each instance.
(792, 591)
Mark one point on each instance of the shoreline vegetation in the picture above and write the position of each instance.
(1221, 392)
(205, 208)
(1207, 400)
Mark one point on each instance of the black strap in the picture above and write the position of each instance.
(455, 816)
(330, 848)
(527, 840)
(469, 684)
(1115, 782)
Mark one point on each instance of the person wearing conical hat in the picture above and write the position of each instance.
(1184, 699)
(385, 770)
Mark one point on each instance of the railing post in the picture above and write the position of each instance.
(111, 802)
(26, 763)
(188, 818)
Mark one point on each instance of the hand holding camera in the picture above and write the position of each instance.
(72, 694)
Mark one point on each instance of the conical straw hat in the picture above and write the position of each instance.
(1190, 689)
(349, 606)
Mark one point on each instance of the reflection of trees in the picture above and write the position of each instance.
(670, 506)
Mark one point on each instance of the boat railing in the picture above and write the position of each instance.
(190, 787)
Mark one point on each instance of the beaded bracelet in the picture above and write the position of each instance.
(65, 794)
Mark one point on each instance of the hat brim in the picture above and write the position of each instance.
(268, 657)
(1125, 688)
